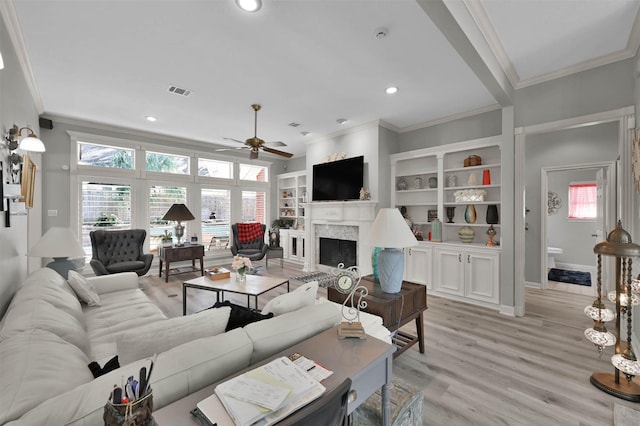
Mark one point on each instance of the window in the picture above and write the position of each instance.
(161, 198)
(215, 215)
(104, 206)
(253, 173)
(105, 156)
(253, 206)
(583, 200)
(167, 163)
(216, 169)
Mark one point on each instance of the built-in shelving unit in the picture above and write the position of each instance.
(292, 193)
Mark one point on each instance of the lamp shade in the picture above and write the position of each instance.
(390, 230)
(32, 143)
(178, 212)
(57, 242)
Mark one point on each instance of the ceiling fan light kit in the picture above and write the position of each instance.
(249, 5)
(255, 144)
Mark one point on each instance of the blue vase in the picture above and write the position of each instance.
(374, 261)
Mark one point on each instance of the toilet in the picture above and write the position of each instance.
(551, 261)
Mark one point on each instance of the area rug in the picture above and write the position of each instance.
(324, 280)
(572, 277)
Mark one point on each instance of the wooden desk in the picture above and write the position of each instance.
(367, 362)
(395, 309)
(178, 254)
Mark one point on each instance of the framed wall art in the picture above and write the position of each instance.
(28, 181)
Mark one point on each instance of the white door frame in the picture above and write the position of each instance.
(609, 208)
(624, 208)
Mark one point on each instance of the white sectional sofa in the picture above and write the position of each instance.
(48, 338)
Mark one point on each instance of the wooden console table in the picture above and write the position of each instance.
(395, 309)
(178, 254)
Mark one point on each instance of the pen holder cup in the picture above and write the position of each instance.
(137, 413)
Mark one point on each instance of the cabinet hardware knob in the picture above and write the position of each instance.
(468, 258)
(459, 257)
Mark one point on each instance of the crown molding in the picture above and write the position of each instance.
(10, 18)
(451, 117)
(487, 29)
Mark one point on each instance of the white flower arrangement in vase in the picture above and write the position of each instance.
(241, 265)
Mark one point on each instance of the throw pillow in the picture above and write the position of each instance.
(110, 365)
(159, 336)
(85, 291)
(240, 315)
(302, 296)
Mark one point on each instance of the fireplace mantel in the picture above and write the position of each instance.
(360, 214)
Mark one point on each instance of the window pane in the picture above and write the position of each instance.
(583, 201)
(105, 156)
(253, 173)
(161, 198)
(216, 210)
(104, 206)
(167, 163)
(253, 206)
(217, 169)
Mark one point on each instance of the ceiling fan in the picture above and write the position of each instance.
(255, 143)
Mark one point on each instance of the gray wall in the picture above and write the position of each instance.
(16, 106)
(574, 237)
(569, 147)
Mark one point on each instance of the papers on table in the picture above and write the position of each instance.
(266, 394)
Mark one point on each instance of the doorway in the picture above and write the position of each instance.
(567, 243)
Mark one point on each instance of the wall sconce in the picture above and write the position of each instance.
(28, 143)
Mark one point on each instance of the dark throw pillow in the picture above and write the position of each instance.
(240, 315)
(111, 365)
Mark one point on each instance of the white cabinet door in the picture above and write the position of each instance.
(449, 271)
(482, 276)
(418, 265)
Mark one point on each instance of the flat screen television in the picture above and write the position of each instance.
(338, 180)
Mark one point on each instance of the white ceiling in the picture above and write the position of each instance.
(306, 61)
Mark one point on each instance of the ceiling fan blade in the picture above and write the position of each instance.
(276, 143)
(234, 140)
(277, 152)
(253, 155)
(230, 149)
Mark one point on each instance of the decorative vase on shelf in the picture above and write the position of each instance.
(470, 214)
(491, 232)
(466, 234)
(473, 180)
(492, 214)
(486, 177)
(436, 230)
(451, 212)
(402, 184)
(433, 182)
(417, 184)
(453, 181)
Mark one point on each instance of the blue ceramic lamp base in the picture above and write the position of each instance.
(391, 269)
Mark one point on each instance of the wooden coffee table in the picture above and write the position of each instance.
(255, 285)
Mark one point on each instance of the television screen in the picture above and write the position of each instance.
(338, 180)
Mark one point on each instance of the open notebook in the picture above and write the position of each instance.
(263, 395)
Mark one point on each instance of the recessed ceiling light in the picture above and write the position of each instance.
(305, 133)
(391, 90)
(341, 121)
(249, 5)
(151, 118)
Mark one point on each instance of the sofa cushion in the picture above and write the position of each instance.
(85, 291)
(38, 314)
(240, 315)
(37, 365)
(302, 296)
(144, 341)
(278, 333)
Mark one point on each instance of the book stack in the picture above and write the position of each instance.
(264, 395)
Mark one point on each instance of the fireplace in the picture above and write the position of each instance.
(334, 251)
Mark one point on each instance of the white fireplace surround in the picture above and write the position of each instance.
(346, 220)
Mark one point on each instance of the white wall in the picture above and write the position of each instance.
(16, 106)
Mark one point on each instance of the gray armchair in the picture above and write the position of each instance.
(255, 249)
(119, 251)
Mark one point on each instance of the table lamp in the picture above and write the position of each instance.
(178, 212)
(391, 232)
(60, 244)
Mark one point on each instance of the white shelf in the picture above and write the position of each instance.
(471, 225)
(456, 188)
(472, 168)
(466, 203)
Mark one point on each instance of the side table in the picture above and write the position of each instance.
(177, 254)
(395, 309)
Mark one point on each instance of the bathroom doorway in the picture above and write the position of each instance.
(567, 243)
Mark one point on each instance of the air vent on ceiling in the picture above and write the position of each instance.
(179, 91)
(293, 124)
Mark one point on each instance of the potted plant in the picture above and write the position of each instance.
(167, 239)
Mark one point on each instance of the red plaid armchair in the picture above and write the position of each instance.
(248, 240)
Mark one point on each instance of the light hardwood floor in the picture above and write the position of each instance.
(480, 367)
